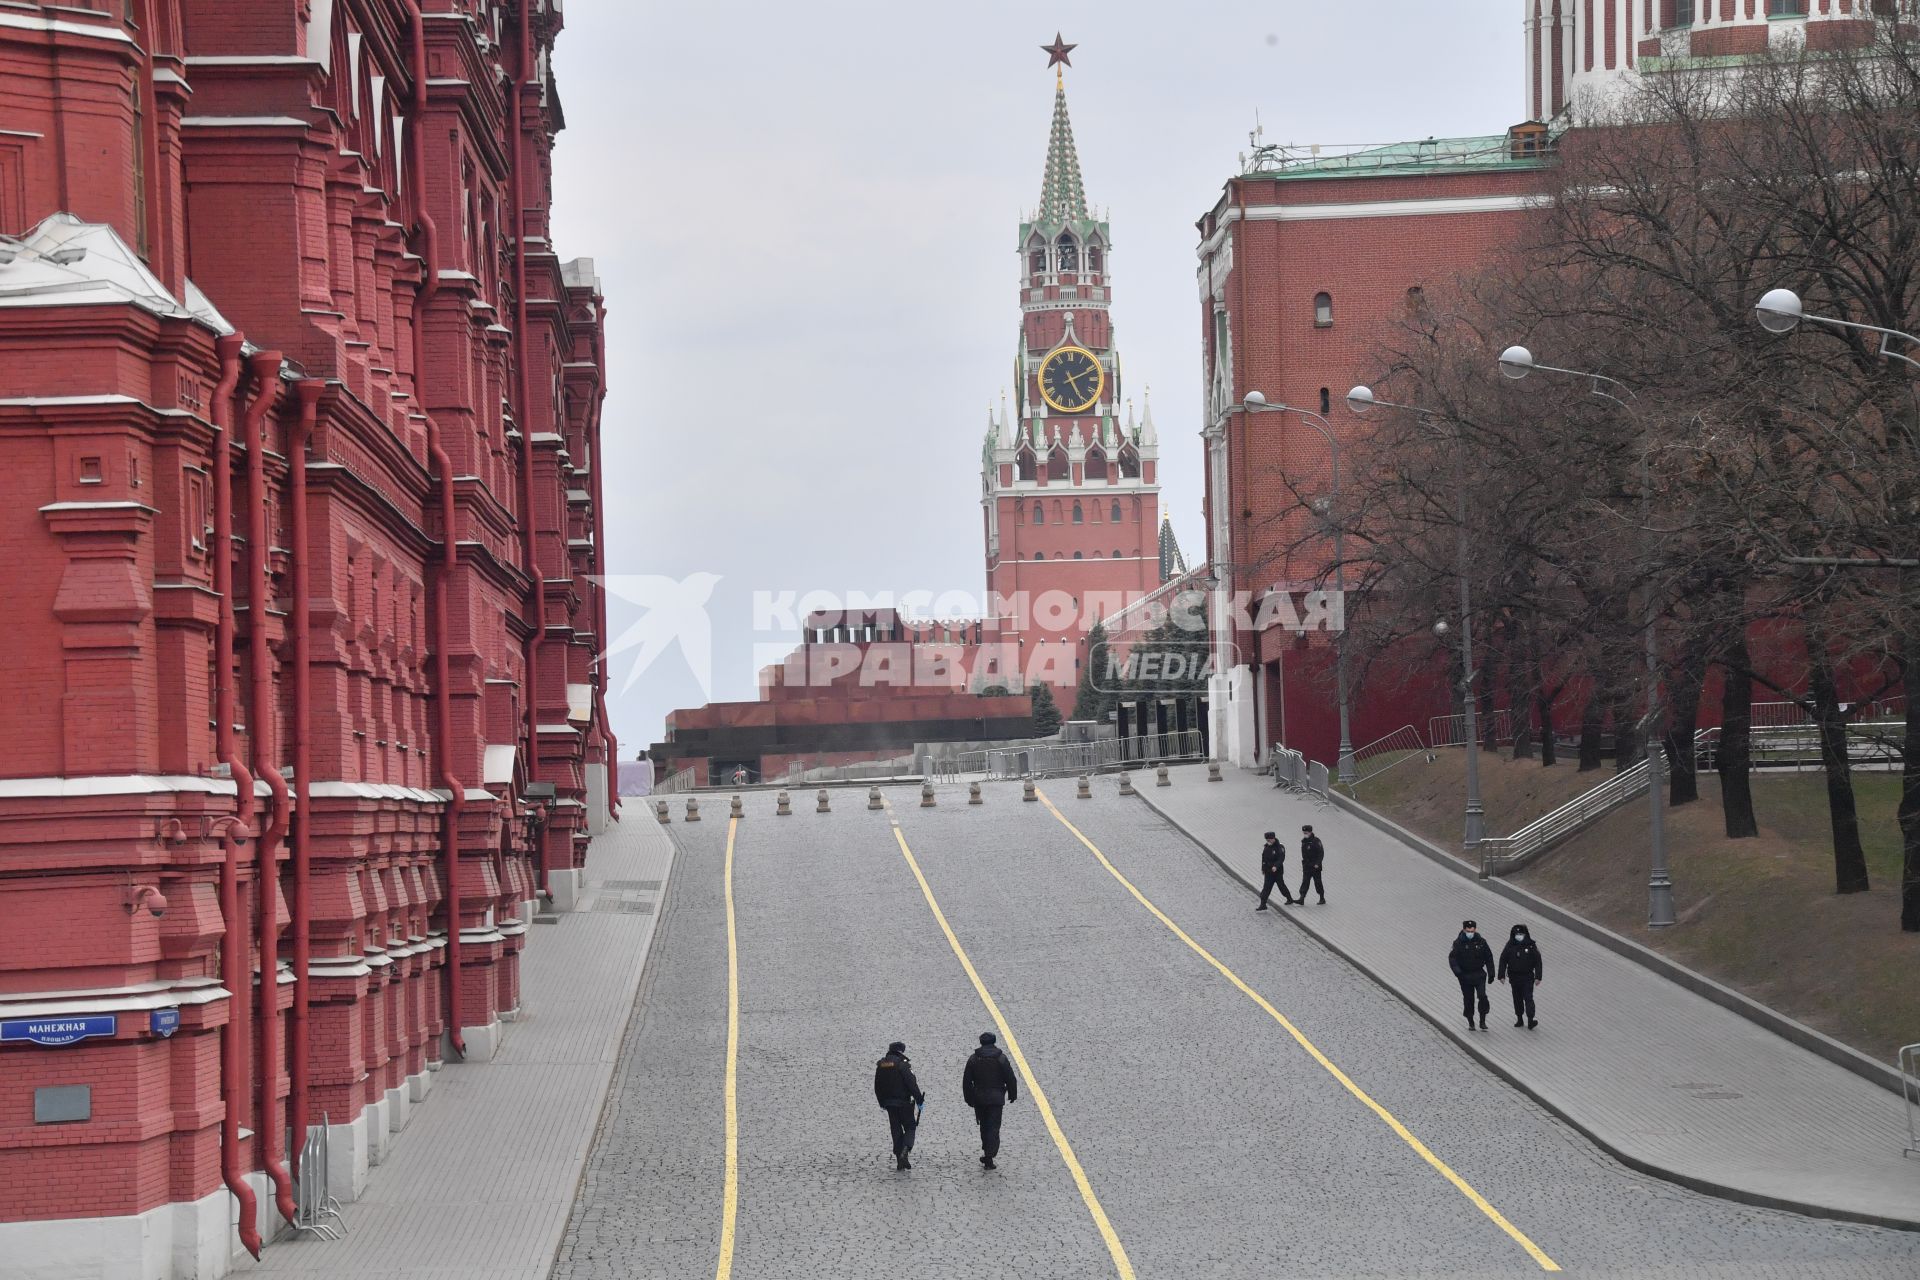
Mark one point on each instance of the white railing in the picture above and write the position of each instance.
(1909, 1062)
(1451, 731)
(1501, 854)
(858, 771)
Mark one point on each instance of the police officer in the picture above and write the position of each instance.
(898, 1092)
(1273, 866)
(1471, 960)
(1312, 855)
(987, 1085)
(1520, 968)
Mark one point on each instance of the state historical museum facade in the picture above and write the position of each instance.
(299, 446)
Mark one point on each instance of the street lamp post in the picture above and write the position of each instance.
(1360, 400)
(1780, 311)
(1517, 362)
(1257, 403)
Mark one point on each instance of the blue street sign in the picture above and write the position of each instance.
(57, 1031)
(163, 1022)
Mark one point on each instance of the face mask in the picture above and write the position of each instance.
(1519, 937)
(1472, 933)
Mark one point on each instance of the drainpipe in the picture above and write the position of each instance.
(429, 251)
(309, 390)
(600, 557)
(537, 591)
(233, 955)
(265, 366)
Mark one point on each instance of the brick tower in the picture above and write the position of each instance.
(1069, 488)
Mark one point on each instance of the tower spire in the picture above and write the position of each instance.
(1062, 198)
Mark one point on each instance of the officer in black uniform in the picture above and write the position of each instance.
(897, 1091)
(1521, 968)
(1312, 855)
(1273, 867)
(1471, 960)
(987, 1085)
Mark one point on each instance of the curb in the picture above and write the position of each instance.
(1726, 997)
(1690, 1181)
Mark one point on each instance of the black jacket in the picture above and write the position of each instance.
(1273, 857)
(893, 1082)
(1470, 956)
(1312, 852)
(1520, 961)
(989, 1079)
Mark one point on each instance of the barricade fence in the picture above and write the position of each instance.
(316, 1212)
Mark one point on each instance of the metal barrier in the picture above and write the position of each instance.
(681, 781)
(1909, 1061)
(1403, 744)
(315, 1211)
(1451, 731)
(1289, 768)
(1319, 784)
(1088, 757)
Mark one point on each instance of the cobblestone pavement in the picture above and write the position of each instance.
(1217, 1146)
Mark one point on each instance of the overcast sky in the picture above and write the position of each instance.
(805, 219)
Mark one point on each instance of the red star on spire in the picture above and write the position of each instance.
(1057, 51)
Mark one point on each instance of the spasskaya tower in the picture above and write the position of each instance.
(1069, 485)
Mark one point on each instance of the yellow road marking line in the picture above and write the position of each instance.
(1406, 1135)
(730, 1200)
(1118, 1251)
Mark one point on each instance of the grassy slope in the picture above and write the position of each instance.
(1759, 915)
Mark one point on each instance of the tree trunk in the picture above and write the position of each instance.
(1591, 755)
(1910, 794)
(1683, 718)
(1849, 858)
(1519, 705)
(1734, 758)
(1549, 749)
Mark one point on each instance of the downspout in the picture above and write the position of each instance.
(233, 955)
(449, 550)
(600, 563)
(537, 589)
(309, 390)
(265, 366)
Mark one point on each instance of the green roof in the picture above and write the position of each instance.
(1493, 151)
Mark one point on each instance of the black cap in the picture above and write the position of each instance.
(1273, 835)
(896, 1047)
(1307, 827)
(1468, 924)
(987, 1037)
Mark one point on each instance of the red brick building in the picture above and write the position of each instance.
(1306, 263)
(299, 425)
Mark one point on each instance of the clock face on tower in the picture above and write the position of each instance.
(1071, 379)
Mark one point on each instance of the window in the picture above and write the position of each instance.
(1682, 14)
(1416, 300)
(1039, 555)
(1069, 253)
(1323, 311)
(1078, 516)
(1039, 514)
(1326, 401)
(1093, 257)
(1037, 260)
(1786, 8)
(1116, 511)
(1096, 555)
(1116, 553)
(1078, 556)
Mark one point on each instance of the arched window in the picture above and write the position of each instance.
(1094, 257)
(1078, 516)
(1068, 252)
(1096, 465)
(1116, 517)
(1116, 553)
(1326, 401)
(1322, 310)
(1096, 555)
(1039, 514)
(1037, 260)
(1039, 555)
(1078, 556)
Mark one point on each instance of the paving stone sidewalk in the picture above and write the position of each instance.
(481, 1181)
(1664, 1079)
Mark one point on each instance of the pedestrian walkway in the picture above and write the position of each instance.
(1664, 1079)
(481, 1182)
